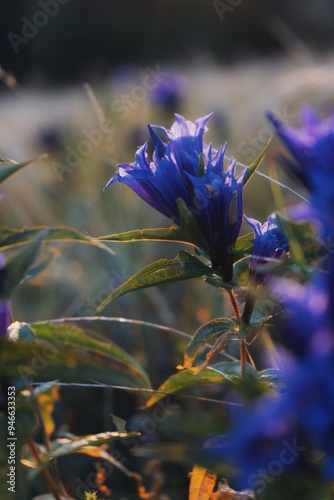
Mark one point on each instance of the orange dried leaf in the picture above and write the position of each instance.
(202, 483)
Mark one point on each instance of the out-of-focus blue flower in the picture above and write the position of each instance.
(168, 92)
(266, 440)
(308, 327)
(260, 437)
(270, 243)
(270, 437)
(311, 398)
(183, 168)
(312, 147)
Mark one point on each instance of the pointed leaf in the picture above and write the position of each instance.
(189, 225)
(256, 163)
(173, 234)
(244, 245)
(16, 268)
(13, 167)
(202, 483)
(203, 335)
(67, 446)
(119, 423)
(184, 266)
(232, 370)
(201, 166)
(67, 353)
(224, 372)
(11, 238)
(301, 236)
(189, 378)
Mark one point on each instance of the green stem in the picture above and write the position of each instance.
(243, 346)
(53, 465)
(48, 478)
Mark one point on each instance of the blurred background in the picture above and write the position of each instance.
(80, 80)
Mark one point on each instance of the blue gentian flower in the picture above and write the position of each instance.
(183, 168)
(312, 147)
(270, 243)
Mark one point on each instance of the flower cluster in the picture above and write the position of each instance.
(187, 183)
(304, 413)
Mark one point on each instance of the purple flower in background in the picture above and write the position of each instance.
(308, 327)
(270, 243)
(183, 168)
(168, 92)
(271, 437)
(312, 147)
(260, 436)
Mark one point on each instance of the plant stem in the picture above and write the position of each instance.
(53, 465)
(243, 346)
(249, 307)
(243, 357)
(52, 487)
(234, 304)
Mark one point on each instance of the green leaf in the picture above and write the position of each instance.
(256, 163)
(272, 377)
(301, 236)
(67, 353)
(184, 266)
(67, 446)
(242, 271)
(201, 166)
(173, 234)
(16, 268)
(217, 281)
(189, 225)
(227, 372)
(119, 423)
(13, 167)
(244, 245)
(203, 335)
(232, 370)
(12, 238)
